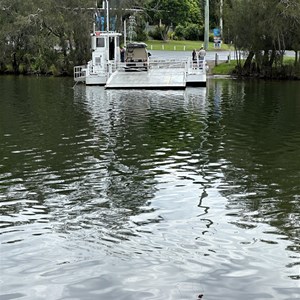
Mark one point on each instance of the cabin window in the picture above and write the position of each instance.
(100, 42)
(98, 60)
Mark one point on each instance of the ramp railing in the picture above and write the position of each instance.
(197, 66)
(79, 73)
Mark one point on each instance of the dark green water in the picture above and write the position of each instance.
(149, 194)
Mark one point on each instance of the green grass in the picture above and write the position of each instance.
(288, 60)
(173, 45)
(224, 68)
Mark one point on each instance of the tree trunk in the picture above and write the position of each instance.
(247, 64)
(15, 64)
(272, 58)
(164, 32)
(265, 60)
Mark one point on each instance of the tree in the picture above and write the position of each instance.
(168, 13)
(37, 35)
(69, 22)
(263, 28)
(19, 25)
(195, 13)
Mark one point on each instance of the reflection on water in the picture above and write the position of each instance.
(149, 194)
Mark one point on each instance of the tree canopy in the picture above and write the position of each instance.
(44, 35)
(264, 29)
(168, 13)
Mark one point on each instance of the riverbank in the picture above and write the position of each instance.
(220, 62)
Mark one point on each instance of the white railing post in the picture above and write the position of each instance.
(216, 59)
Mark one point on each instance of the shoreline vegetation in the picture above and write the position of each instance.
(286, 70)
(51, 37)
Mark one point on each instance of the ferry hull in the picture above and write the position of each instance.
(152, 79)
(95, 80)
(196, 80)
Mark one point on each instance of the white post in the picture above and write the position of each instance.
(216, 59)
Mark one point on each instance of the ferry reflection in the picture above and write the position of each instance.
(139, 135)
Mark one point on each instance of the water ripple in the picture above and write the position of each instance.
(150, 194)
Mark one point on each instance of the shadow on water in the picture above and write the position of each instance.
(149, 194)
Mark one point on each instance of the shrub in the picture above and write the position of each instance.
(9, 68)
(23, 69)
(156, 33)
(40, 65)
(193, 32)
(179, 32)
(142, 36)
(53, 70)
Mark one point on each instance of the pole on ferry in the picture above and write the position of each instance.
(107, 29)
(206, 25)
(125, 33)
(107, 16)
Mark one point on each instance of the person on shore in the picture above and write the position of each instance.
(202, 53)
(194, 57)
(122, 54)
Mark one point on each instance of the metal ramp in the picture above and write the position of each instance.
(155, 78)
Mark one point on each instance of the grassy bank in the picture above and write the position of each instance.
(225, 68)
(287, 71)
(172, 45)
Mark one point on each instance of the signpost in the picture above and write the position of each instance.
(217, 37)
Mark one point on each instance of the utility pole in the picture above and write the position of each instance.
(206, 25)
(221, 18)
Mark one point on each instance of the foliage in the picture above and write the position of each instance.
(179, 32)
(195, 15)
(193, 32)
(168, 13)
(156, 33)
(51, 36)
(265, 29)
(34, 35)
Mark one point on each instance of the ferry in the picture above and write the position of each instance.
(110, 67)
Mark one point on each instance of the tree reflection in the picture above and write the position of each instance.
(255, 127)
